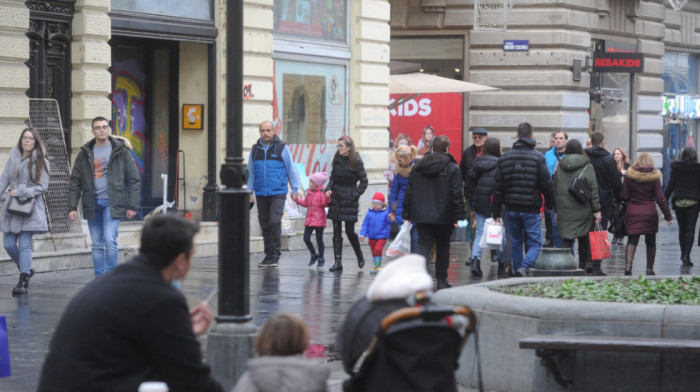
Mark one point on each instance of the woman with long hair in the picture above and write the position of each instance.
(347, 183)
(28, 170)
(622, 164)
(424, 142)
(574, 219)
(684, 185)
(405, 159)
(642, 192)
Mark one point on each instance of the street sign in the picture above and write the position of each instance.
(516, 45)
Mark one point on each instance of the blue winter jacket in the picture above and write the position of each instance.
(376, 224)
(398, 189)
(552, 157)
(270, 166)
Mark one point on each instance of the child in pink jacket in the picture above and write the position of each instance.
(315, 203)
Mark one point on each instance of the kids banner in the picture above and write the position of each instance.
(441, 111)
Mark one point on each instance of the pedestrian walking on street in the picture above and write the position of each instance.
(684, 185)
(271, 167)
(553, 156)
(105, 177)
(469, 155)
(481, 180)
(348, 182)
(133, 324)
(279, 364)
(27, 173)
(642, 192)
(405, 160)
(522, 181)
(434, 202)
(315, 202)
(376, 226)
(574, 219)
(622, 164)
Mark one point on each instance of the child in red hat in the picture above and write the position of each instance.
(376, 228)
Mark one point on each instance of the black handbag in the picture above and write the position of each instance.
(618, 224)
(580, 190)
(19, 207)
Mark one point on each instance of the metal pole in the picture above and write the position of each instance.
(209, 210)
(230, 342)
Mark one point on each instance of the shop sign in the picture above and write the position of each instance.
(618, 62)
(516, 45)
(684, 106)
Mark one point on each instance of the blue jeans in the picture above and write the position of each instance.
(20, 253)
(414, 238)
(523, 226)
(476, 247)
(103, 233)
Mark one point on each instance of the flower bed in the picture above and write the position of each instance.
(672, 291)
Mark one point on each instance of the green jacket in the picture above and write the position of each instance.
(574, 219)
(123, 183)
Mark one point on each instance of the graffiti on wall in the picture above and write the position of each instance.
(128, 97)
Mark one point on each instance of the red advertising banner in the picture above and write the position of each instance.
(441, 111)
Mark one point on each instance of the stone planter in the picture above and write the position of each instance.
(504, 319)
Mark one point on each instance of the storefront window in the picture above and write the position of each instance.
(680, 73)
(195, 9)
(323, 20)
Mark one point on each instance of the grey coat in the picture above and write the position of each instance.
(283, 374)
(16, 173)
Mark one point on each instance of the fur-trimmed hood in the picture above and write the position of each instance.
(643, 174)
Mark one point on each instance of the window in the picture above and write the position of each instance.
(194, 9)
(680, 73)
(324, 20)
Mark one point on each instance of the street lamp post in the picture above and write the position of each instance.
(230, 341)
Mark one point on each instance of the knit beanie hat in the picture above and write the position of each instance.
(379, 197)
(319, 178)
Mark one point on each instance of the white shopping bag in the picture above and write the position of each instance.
(482, 241)
(494, 236)
(402, 243)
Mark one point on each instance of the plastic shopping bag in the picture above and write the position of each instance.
(494, 236)
(402, 243)
(482, 241)
(600, 246)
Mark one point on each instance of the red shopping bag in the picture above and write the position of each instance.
(600, 246)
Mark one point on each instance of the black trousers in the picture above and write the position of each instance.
(687, 218)
(584, 247)
(270, 211)
(548, 235)
(440, 235)
(319, 240)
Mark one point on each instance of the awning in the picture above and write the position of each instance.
(421, 83)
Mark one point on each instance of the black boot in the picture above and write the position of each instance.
(443, 284)
(22, 286)
(355, 242)
(476, 269)
(651, 257)
(501, 273)
(337, 254)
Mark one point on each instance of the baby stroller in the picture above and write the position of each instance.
(416, 349)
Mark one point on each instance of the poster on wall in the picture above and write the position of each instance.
(322, 19)
(309, 111)
(442, 111)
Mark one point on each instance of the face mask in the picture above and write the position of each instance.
(177, 284)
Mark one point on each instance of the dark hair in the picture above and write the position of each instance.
(98, 118)
(165, 236)
(573, 146)
(282, 335)
(441, 143)
(689, 154)
(524, 130)
(492, 146)
(39, 150)
(597, 137)
(352, 153)
(566, 135)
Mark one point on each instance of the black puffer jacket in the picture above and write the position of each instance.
(684, 182)
(481, 180)
(468, 157)
(434, 191)
(522, 179)
(606, 174)
(346, 190)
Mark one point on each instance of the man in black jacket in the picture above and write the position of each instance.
(433, 201)
(133, 325)
(521, 182)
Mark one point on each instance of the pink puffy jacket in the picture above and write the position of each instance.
(315, 203)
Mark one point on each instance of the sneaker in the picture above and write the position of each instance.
(264, 261)
(375, 270)
(443, 284)
(521, 273)
(470, 261)
(274, 262)
(314, 258)
(321, 263)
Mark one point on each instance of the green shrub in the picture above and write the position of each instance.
(675, 291)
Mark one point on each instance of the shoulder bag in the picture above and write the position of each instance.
(19, 207)
(579, 189)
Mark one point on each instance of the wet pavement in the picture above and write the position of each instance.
(321, 297)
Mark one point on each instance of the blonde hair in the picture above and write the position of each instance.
(644, 159)
(405, 151)
(282, 335)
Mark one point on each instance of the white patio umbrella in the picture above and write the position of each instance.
(421, 83)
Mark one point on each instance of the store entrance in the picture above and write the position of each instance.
(677, 136)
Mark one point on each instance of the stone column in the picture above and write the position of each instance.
(91, 57)
(14, 74)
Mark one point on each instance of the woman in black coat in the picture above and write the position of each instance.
(347, 183)
(684, 185)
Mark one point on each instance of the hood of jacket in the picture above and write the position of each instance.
(643, 174)
(525, 143)
(686, 168)
(485, 163)
(434, 163)
(596, 152)
(289, 373)
(572, 162)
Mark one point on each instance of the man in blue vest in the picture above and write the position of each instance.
(270, 165)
